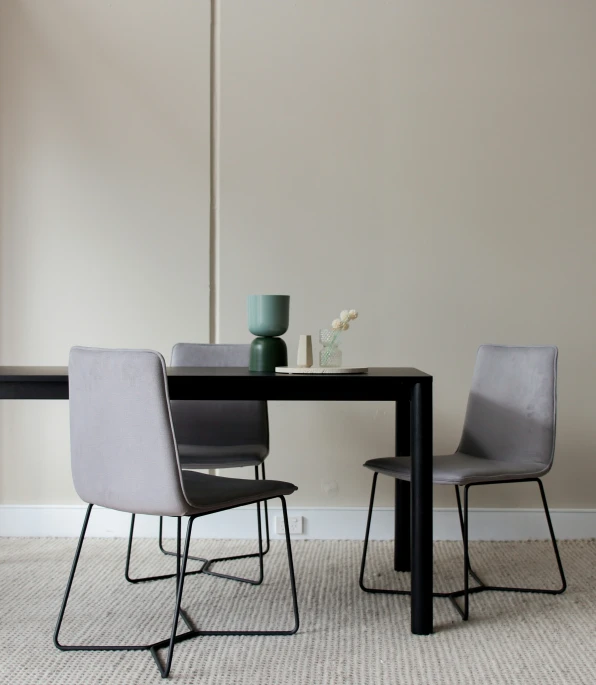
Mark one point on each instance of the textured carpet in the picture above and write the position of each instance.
(346, 636)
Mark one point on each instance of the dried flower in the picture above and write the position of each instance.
(338, 326)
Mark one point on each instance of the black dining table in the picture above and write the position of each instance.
(410, 390)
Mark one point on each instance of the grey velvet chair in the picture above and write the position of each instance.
(508, 437)
(219, 435)
(124, 456)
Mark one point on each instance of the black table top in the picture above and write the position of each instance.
(53, 373)
(380, 383)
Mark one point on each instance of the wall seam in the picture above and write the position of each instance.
(214, 174)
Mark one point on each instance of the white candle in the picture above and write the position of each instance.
(304, 351)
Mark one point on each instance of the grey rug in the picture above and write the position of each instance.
(346, 636)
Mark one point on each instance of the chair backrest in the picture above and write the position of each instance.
(511, 414)
(218, 423)
(123, 451)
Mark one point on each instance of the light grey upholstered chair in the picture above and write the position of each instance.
(220, 435)
(124, 457)
(508, 437)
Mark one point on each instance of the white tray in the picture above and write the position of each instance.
(321, 369)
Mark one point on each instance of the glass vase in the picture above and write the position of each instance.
(330, 353)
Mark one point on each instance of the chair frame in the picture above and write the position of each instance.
(180, 575)
(205, 568)
(207, 563)
(468, 570)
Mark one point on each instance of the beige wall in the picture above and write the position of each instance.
(104, 205)
(431, 164)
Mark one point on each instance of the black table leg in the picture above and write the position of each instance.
(402, 556)
(422, 509)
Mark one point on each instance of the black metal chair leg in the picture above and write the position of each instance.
(466, 611)
(542, 591)
(468, 570)
(290, 568)
(365, 548)
(291, 631)
(484, 587)
(553, 540)
(178, 534)
(70, 579)
(461, 524)
(180, 576)
(267, 547)
(173, 554)
(207, 567)
(151, 578)
(207, 570)
(164, 670)
(208, 562)
(365, 551)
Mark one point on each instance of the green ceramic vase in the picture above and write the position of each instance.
(268, 315)
(267, 353)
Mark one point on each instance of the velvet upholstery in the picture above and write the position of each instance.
(218, 434)
(509, 428)
(123, 448)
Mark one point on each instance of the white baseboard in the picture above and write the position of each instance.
(320, 523)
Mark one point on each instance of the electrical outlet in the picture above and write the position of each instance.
(294, 524)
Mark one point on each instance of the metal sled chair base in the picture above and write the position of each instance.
(180, 575)
(464, 611)
(205, 568)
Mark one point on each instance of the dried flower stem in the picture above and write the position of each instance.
(329, 349)
(345, 317)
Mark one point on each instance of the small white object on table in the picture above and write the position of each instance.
(321, 369)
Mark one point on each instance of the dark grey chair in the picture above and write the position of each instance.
(124, 456)
(219, 435)
(508, 437)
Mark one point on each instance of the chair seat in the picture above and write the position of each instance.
(206, 493)
(220, 456)
(460, 468)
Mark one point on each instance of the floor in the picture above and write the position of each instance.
(346, 636)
